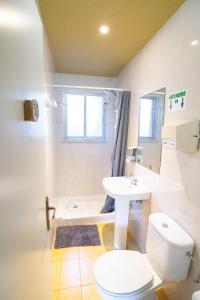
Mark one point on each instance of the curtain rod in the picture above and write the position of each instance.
(86, 87)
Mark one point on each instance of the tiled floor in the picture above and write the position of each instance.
(72, 268)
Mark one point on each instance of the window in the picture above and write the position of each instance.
(84, 117)
(146, 118)
(151, 118)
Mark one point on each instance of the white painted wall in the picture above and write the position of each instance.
(151, 153)
(49, 124)
(24, 255)
(168, 60)
(84, 80)
(80, 167)
(50, 154)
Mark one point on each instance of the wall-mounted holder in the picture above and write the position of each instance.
(134, 154)
(48, 209)
(184, 134)
(31, 110)
(50, 103)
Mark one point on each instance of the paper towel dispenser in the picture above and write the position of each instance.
(184, 132)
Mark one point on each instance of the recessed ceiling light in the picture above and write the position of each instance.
(104, 29)
(194, 42)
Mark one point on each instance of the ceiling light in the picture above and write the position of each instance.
(194, 42)
(104, 29)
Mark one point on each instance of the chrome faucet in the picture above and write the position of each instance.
(133, 180)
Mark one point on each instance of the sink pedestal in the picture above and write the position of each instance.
(123, 191)
(121, 223)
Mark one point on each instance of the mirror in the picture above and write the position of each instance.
(151, 119)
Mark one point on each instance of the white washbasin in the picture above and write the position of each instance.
(123, 191)
(196, 295)
(121, 188)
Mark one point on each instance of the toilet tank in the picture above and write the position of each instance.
(167, 247)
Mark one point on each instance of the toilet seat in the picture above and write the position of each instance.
(123, 272)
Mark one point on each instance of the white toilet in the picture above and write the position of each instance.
(130, 275)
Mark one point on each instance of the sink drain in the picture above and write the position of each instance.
(75, 206)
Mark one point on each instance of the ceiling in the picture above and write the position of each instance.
(78, 47)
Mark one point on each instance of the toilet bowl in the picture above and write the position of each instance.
(128, 275)
(131, 275)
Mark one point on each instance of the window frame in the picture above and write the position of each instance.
(84, 139)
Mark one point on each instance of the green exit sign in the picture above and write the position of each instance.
(177, 101)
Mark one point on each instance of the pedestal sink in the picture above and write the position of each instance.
(123, 191)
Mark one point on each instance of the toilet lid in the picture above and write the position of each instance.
(122, 271)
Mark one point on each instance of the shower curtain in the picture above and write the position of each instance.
(120, 146)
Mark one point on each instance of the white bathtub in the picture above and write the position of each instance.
(81, 210)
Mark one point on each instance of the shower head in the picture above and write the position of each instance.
(113, 105)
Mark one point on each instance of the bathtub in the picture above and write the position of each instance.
(81, 210)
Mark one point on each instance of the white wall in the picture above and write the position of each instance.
(151, 153)
(49, 136)
(50, 153)
(169, 60)
(83, 80)
(24, 255)
(80, 167)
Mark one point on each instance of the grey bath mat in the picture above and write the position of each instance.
(77, 235)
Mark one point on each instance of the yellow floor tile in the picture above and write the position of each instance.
(70, 273)
(89, 292)
(108, 243)
(100, 230)
(68, 294)
(106, 232)
(105, 229)
(91, 251)
(56, 272)
(54, 295)
(64, 253)
(86, 268)
(161, 294)
(66, 274)
(130, 243)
